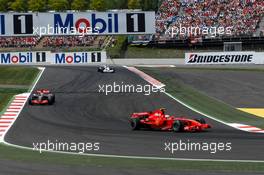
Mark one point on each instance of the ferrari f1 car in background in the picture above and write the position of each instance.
(106, 69)
(157, 120)
(41, 97)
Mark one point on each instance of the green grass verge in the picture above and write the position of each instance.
(17, 75)
(16, 154)
(145, 52)
(4, 99)
(201, 101)
(6, 95)
(14, 76)
(118, 50)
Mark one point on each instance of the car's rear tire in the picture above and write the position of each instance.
(135, 123)
(201, 120)
(177, 126)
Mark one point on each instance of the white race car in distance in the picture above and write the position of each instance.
(106, 69)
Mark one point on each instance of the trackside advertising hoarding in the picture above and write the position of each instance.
(47, 57)
(77, 23)
(225, 58)
(78, 57)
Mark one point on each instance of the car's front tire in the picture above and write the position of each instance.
(135, 123)
(30, 102)
(201, 120)
(177, 126)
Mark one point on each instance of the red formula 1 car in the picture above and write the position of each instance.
(157, 120)
(42, 97)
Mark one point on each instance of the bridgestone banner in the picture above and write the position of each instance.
(225, 58)
(50, 58)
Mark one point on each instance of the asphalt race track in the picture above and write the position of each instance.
(82, 114)
(240, 89)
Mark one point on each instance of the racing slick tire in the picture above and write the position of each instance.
(201, 120)
(30, 102)
(51, 99)
(177, 126)
(135, 123)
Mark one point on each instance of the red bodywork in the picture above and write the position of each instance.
(158, 120)
(42, 91)
(40, 102)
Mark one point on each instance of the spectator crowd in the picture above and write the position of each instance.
(20, 42)
(166, 15)
(243, 16)
(68, 41)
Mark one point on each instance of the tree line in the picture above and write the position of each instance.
(78, 5)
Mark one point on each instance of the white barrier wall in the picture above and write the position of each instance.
(224, 58)
(47, 57)
(259, 58)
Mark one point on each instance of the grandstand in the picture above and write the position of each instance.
(244, 17)
(51, 42)
(18, 42)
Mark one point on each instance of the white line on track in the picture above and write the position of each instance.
(139, 157)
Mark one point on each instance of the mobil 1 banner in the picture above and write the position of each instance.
(78, 58)
(23, 58)
(77, 23)
(48, 58)
(221, 58)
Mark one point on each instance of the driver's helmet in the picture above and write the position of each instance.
(167, 116)
(162, 110)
